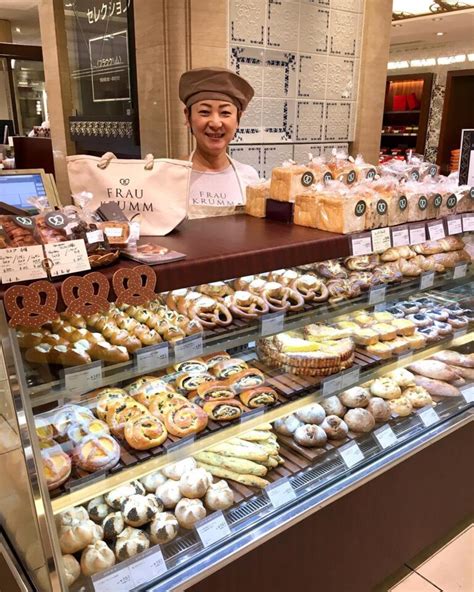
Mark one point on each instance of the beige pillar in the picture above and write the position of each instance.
(58, 88)
(5, 31)
(373, 75)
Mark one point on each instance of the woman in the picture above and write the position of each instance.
(215, 100)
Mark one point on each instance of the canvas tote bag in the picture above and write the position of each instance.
(152, 191)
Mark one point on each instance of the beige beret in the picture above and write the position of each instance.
(214, 83)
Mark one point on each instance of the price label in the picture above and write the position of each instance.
(95, 236)
(152, 357)
(350, 377)
(84, 378)
(22, 263)
(436, 230)
(147, 566)
(460, 271)
(400, 236)
(351, 454)
(67, 257)
(113, 232)
(427, 280)
(417, 234)
(332, 385)
(381, 240)
(377, 294)
(272, 323)
(385, 436)
(212, 529)
(454, 225)
(187, 348)
(117, 580)
(468, 394)
(428, 416)
(468, 222)
(280, 493)
(361, 244)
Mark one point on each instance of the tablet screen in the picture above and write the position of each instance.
(15, 189)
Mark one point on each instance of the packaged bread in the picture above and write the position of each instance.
(378, 205)
(389, 189)
(465, 199)
(289, 180)
(18, 231)
(364, 170)
(342, 168)
(305, 212)
(117, 232)
(256, 198)
(322, 172)
(417, 201)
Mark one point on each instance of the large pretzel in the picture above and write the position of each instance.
(311, 288)
(31, 306)
(134, 286)
(246, 305)
(209, 312)
(281, 298)
(86, 295)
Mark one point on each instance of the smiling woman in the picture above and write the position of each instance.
(215, 100)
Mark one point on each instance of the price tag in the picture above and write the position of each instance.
(377, 294)
(117, 580)
(212, 529)
(351, 454)
(460, 271)
(381, 240)
(400, 236)
(22, 263)
(436, 230)
(417, 234)
(428, 416)
(152, 357)
(188, 348)
(272, 323)
(427, 280)
(332, 385)
(385, 436)
(84, 378)
(350, 377)
(468, 394)
(361, 244)
(280, 493)
(67, 257)
(95, 236)
(468, 222)
(454, 225)
(147, 566)
(113, 232)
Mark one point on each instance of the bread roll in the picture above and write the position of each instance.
(152, 481)
(96, 557)
(177, 470)
(113, 524)
(286, 426)
(163, 528)
(80, 534)
(379, 408)
(115, 497)
(195, 483)
(359, 420)
(313, 413)
(219, 496)
(333, 406)
(169, 493)
(130, 542)
(385, 388)
(402, 377)
(402, 406)
(189, 511)
(138, 509)
(335, 427)
(97, 509)
(355, 397)
(310, 435)
(419, 397)
(72, 569)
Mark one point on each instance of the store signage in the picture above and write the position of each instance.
(381, 239)
(385, 436)
(147, 566)
(84, 378)
(187, 348)
(361, 244)
(109, 67)
(56, 220)
(428, 416)
(466, 160)
(427, 280)
(152, 357)
(22, 263)
(400, 236)
(460, 271)
(212, 529)
(377, 294)
(280, 493)
(468, 222)
(332, 385)
(351, 454)
(417, 233)
(307, 179)
(67, 257)
(454, 224)
(272, 323)
(436, 230)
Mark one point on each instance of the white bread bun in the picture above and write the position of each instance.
(379, 408)
(96, 558)
(219, 496)
(195, 483)
(333, 406)
(359, 420)
(72, 569)
(189, 511)
(177, 470)
(335, 427)
(313, 413)
(169, 493)
(163, 528)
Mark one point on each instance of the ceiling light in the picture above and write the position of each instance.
(470, 57)
(17, 29)
(440, 33)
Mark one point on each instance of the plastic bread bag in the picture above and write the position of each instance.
(417, 202)
(320, 168)
(290, 179)
(364, 170)
(50, 224)
(342, 167)
(378, 204)
(85, 224)
(17, 231)
(256, 198)
(306, 209)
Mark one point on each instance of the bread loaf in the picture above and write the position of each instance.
(256, 199)
(288, 181)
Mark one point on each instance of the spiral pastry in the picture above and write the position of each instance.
(163, 404)
(188, 419)
(145, 432)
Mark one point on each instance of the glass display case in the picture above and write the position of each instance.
(150, 436)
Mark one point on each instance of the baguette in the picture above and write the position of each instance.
(238, 465)
(271, 462)
(467, 373)
(437, 388)
(434, 369)
(256, 435)
(254, 452)
(453, 357)
(249, 480)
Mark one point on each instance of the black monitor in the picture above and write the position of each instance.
(11, 129)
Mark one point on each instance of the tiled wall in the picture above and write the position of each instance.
(302, 58)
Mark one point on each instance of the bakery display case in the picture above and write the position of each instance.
(159, 423)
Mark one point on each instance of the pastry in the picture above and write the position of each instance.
(209, 312)
(365, 336)
(286, 426)
(72, 569)
(381, 350)
(97, 509)
(434, 369)
(403, 326)
(438, 314)
(362, 263)
(176, 470)
(310, 435)
(416, 341)
(113, 524)
(227, 368)
(281, 298)
(219, 496)
(402, 406)
(163, 404)
(56, 466)
(437, 388)
(77, 432)
(402, 377)
(96, 557)
(115, 497)
(356, 396)
(69, 415)
(227, 410)
(250, 378)
(185, 420)
(379, 408)
(419, 397)
(443, 328)
(113, 353)
(194, 365)
(385, 388)
(94, 453)
(454, 358)
(408, 307)
(458, 322)
(169, 493)
(149, 385)
(163, 528)
(72, 516)
(258, 397)
(152, 481)
(246, 305)
(335, 427)
(331, 269)
(189, 381)
(359, 420)
(383, 316)
(311, 288)
(313, 413)
(130, 542)
(195, 483)
(385, 331)
(139, 509)
(189, 511)
(212, 359)
(333, 406)
(145, 432)
(421, 320)
(215, 391)
(107, 396)
(78, 535)
(120, 412)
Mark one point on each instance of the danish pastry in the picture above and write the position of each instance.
(214, 391)
(188, 419)
(119, 413)
(69, 415)
(163, 528)
(223, 410)
(258, 397)
(56, 466)
(131, 542)
(250, 378)
(107, 396)
(96, 452)
(161, 405)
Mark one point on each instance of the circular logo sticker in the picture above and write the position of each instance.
(24, 221)
(307, 179)
(371, 174)
(56, 220)
(438, 200)
(403, 203)
(422, 203)
(382, 207)
(433, 170)
(415, 175)
(471, 192)
(351, 177)
(360, 208)
(451, 201)
(328, 177)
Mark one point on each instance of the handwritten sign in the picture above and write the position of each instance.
(381, 239)
(22, 263)
(67, 257)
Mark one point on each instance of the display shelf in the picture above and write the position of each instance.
(238, 334)
(414, 111)
(97, 485)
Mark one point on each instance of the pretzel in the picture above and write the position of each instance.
(246, 305)
(86, 295)
(209, 312)
(25, 307)
(311, 288)
(134, 286)
(281, 298)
